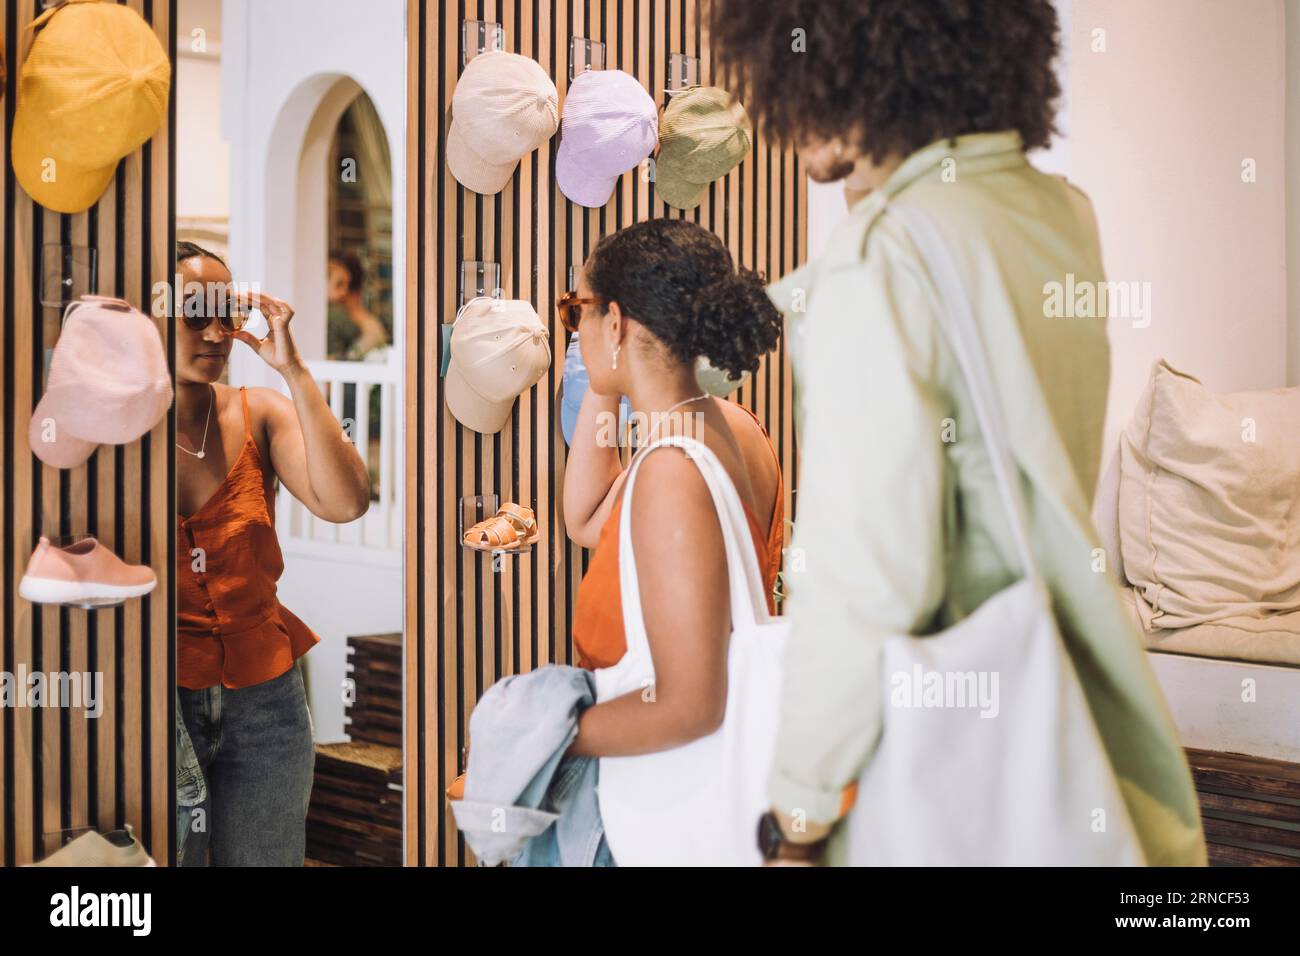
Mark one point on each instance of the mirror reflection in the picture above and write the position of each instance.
(288, 427)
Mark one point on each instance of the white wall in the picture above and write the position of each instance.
(285, 64)
(1185, 91)
(1293, 189)
(338, 601)
(203, 157)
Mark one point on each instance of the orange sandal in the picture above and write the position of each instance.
(512, 528)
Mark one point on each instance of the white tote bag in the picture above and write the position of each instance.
(1022, 777)
(698, 804)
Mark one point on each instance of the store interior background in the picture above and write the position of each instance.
(1204, 87)
(1156, 130)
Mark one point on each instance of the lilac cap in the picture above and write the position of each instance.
(610, 125)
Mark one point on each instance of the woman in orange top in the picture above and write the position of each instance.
(242, 700)
(651, 299)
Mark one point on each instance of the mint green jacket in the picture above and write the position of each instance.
(898, 524)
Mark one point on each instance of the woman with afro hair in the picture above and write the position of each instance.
(932, 106)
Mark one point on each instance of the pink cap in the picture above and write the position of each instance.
(610, 125)
(108, 382)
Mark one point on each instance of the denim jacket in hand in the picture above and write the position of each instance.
(525, 801)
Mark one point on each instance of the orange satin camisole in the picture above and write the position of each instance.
(598, 633)
(230, 627)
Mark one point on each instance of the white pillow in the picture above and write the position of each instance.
(1209, 502)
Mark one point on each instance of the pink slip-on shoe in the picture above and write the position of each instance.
(84, 572)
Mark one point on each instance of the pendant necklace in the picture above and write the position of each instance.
(212, 394)
(661, 417)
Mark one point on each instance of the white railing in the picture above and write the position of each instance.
(376, 537)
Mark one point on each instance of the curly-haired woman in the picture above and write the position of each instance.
(652, 298)
(932, 106)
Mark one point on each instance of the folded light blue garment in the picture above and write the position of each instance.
(525, 801)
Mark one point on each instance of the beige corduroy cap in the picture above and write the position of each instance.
(703, 135)
(499, 348)
(504, 107)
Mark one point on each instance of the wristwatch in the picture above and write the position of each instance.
(773, 845)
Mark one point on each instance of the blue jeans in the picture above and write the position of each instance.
(254, 749)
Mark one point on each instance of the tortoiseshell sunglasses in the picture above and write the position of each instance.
(569, 305)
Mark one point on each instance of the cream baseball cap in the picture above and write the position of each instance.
(108, 382)
(504, 107)
(499, 348)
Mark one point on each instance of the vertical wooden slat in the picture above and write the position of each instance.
(467, 625)
(106, 624)
(8, 43)
(560, 255)
(25, 814)
(413, 658)
(49, 518)
(445, 458)
(160, 506)
(78, 729)
(547, 397)
(133, 756)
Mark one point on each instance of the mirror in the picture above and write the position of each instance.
(289, 192)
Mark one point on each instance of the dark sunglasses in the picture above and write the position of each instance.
(569, 305)
(198, 314)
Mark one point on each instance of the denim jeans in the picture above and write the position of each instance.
(254, 749)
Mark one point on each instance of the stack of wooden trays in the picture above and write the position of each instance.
(355, 818)
(376, 713)
(1250, 808)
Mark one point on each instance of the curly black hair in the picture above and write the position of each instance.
(678, 280)
(892, 76)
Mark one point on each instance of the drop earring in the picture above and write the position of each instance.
(614, 364)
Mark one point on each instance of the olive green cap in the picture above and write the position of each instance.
(703, 135)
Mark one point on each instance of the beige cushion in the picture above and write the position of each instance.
(1209, 502)
(1271, 639)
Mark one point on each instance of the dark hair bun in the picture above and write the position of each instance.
(678, 281)
(736, 323)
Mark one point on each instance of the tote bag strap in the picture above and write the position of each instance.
(748, 605)
(958, 321)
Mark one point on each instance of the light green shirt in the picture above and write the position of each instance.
(898, 524)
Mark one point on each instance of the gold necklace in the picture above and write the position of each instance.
(212, 397)
(663, 416)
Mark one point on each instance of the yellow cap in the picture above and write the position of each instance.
(93, 88)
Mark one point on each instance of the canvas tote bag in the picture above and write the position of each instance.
(1028, 782)
(697, 804)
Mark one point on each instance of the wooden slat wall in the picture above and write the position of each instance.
(467, 625)
(59, 769)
